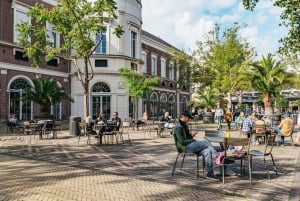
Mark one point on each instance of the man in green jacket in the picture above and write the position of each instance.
(187, 144)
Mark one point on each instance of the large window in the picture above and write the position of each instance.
(184, 104)
(171, 71)
(17, 104)
(153, 105)
(163, 104)
(53, 37)
(172, 106)
(163, 67)
(101, 100)
(20, 15)
(133, 44)
(102, 46)
(144, 59)
(153, 65)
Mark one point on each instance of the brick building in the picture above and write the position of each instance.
(135, 49)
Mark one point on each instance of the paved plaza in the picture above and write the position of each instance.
(59, 169)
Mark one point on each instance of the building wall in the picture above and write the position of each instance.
(12, 68)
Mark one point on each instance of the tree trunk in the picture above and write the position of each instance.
(268, 104)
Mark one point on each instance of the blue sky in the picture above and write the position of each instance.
(182, 23)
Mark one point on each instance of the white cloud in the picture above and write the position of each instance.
(183, 23)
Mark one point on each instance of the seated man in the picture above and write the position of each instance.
(285, 128)
(113, 125)
(186, 143)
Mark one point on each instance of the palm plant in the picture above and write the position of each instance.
(207, 98)
(268, 76)
(45, 92)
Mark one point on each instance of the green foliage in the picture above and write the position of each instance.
(77, 21)
(208, 98)
(45, 92)
(221, 59)
(184, 65)
(281, 102)
(139, 85)
(290, 17)
(268, 76)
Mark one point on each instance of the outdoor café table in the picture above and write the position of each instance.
(112, 132)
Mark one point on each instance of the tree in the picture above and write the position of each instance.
(184, 66)
(207, 98)
(290, 18)
(139, 86)
(268, 76)
(221, 59)
(77, 22)
(45, 92)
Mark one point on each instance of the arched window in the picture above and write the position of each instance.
(184, 104)
(163, 104)
(172, 106)
(101, 100)
(100, 87)
(19, 106)
(153, 105)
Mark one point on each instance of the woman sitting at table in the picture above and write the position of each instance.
(89, 125)
(142, 120)
(12, 122)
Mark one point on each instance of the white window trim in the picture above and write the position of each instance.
(171, 70)
(19, 8)
(144, 66)
(163, 69)
(154, 57)
(107, 41)
(48, 25)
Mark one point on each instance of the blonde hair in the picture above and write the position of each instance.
(88, 119)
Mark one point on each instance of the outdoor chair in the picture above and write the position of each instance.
(83, 132)
(235, 149)
(265, 153)
(259, 131)
(149, 127)
(124, 130)
(28, 129)
(184, 154)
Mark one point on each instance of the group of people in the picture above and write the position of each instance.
(245, 121)
(104, 125)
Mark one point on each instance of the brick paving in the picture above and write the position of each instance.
(59, 169)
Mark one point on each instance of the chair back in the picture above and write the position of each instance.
(125, 125)
(269, 144)
(242, 142)
(259, 129)
(26, 124)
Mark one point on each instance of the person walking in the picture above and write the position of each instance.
(219, 113)
(228, 118)
(236, 114)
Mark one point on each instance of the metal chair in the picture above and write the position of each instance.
(259, 131)
(184, 154)
(258, 153)
(124, 129)
(231, 155)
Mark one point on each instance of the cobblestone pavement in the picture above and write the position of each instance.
(59, 169)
